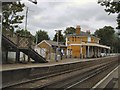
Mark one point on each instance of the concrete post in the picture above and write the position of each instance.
(109, 51)
(88, 51)
(104, 52)
(97, 51)
(17, 56)
(92, 52)
(6, 52)
(100, 51)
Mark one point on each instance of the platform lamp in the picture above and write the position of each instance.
(57, 32)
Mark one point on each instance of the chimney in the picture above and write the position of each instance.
(78, 29)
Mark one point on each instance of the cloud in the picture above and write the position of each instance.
(51, 15)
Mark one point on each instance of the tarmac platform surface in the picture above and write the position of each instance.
(5, 67)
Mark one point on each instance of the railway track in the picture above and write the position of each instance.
(69, 78)
(81, 80)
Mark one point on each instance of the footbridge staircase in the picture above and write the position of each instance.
(17, 43)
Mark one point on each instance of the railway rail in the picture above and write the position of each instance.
(67, 79)
(81, 80)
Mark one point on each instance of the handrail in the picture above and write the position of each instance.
(19, 40)
(37, 53)
(33, 47)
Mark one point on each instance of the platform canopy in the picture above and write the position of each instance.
(92, 44)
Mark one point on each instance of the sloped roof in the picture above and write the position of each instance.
(82, 34)
(52, 43)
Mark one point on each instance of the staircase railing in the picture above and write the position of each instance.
(40, 51)
(24, 44)
(20, 41)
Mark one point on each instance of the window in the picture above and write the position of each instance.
(72, 38)
(89, 39)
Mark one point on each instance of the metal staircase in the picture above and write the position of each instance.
(17, 43)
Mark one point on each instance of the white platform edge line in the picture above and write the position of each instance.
(96, 85)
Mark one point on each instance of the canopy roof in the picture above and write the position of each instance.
(92, 44)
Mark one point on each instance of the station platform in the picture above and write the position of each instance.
(5, 67)
(13, 74)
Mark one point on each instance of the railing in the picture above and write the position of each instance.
(20, 41)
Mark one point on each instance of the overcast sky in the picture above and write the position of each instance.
(50, 15)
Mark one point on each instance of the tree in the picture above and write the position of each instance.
(60, 38)
(11, 15)
(111, 6)
(70, 30)
(23, 32)
(117, 43)
(108, 37)
(118, 22)
(41, 35)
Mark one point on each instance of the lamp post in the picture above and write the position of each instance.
(57, 31)
(57, 49)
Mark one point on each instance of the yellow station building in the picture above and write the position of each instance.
(83, 45)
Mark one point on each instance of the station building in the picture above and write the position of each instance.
(84, 45)
(48, 49)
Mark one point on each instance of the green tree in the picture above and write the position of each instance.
(41, 35)
(106, 34)
(118, 22)
(11, 15)
(61, 38)
(111, 6)
(23, 32)
(70, 30)
(116, 43)
(108, 37)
